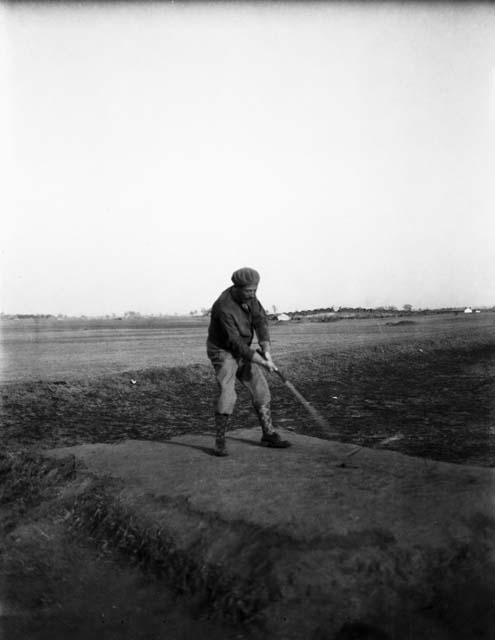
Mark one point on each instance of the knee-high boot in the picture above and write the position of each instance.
(270, 437)
(265, 419)
(221, 423)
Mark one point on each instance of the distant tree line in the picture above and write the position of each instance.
(26, 316)
(332, 310)
(331, 313)
(203, 312)
(321, 312)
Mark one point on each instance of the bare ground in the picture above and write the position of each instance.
(433, 399)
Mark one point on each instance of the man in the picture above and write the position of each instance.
(235, 317)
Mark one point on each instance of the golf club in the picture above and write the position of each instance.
(317, 417)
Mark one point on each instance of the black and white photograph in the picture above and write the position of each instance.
(247, 320)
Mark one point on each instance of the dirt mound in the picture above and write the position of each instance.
(292, 542)
(56, 583)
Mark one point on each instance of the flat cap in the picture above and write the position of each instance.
(245, 276)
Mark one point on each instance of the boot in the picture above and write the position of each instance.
(270, 437)
(221, 424)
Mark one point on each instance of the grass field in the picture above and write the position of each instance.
(425, 389)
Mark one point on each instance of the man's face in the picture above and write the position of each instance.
(246, 293)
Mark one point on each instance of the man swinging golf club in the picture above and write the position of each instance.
(235, 316)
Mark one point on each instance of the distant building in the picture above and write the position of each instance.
(283, 317)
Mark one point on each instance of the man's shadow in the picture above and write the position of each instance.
(210, 450)
(253, 443)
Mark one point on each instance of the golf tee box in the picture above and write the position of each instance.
(300, 542)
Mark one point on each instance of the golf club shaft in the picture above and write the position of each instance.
(317, 417)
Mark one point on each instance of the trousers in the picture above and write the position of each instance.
(229, 369)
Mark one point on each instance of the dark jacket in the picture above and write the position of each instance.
(232, 325)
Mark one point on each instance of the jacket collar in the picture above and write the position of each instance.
(244, 305)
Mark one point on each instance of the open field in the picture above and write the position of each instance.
(423, 389)
(50, 350)
(62, 350)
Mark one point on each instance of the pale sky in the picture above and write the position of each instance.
(344, 150)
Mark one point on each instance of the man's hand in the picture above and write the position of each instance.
(268, 358)
(264, 360)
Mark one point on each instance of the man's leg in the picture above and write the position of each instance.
(221, 425)
(225, 367)
(252, 377)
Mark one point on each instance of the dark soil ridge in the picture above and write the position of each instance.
(27, 479)
(437, 395)
(93, 510)
(237, 594)
(44, 577)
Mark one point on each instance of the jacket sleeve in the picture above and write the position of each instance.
(235, 344)
(260, 323)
